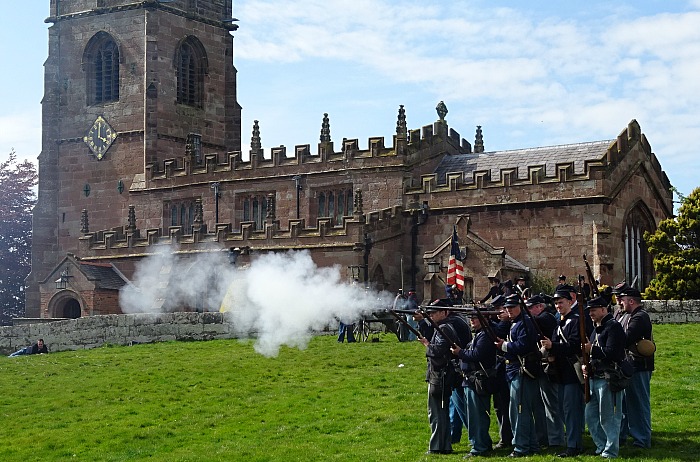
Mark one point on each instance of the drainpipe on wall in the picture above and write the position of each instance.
(420, 217)
(365, 259)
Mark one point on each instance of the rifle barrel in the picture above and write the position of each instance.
(436, 325)
(585, 360)
(405, 323)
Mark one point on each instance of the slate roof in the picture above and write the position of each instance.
(549, 156)
(104, 275)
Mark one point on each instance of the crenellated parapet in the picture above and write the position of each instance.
(628, 138)
(128, 241)
(553, 165)
(408, 147)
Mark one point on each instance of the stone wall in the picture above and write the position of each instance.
(125, 329)
(117, 329)
(673, 311)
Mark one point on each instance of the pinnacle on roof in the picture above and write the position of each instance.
(401, 129)
(255, 143)
(325, 129)
(479, 140)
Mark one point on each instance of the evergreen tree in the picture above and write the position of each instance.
(17, 197)
(675, 246)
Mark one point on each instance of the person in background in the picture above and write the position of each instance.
(346, 329)
(454, 294)
(521, 289)
(412, 305)
(38, 348)
(495, 290)
(585, 287)
(400, 303)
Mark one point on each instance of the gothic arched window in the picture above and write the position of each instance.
(191, 63)
(638, 261)
(181, 214)
(334, 204)
(255, 209)
(101, 62)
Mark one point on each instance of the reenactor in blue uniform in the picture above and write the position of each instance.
(522, 365)
(565, 347)
(606, 348)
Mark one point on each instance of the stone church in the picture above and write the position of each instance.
(141, 151)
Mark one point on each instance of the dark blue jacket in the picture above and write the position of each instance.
(461, 326)
(522, 345)
(608, 345)
(438, 352)
(480, 350)
(566, 347)
(547, 323)
(638, 328)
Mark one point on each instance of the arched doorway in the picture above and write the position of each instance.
(71, 309)
(65, 304)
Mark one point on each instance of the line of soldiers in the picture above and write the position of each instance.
(534, 365)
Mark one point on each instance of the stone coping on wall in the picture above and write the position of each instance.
(128, 329)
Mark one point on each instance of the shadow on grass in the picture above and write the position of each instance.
(683, 446)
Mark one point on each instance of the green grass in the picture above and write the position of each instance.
(221, 401)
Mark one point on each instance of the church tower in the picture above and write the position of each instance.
(128, 84)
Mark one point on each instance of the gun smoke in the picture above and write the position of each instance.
(279, 299)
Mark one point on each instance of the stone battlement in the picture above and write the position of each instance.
(538, 166)
(125, 240)
(417, 145)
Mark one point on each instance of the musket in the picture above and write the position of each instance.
(524, 307)
(456, 309)
(634, 282)
(435, 324)
(591, 280)
(471, 309)
(397, 310)
(486, 325)
(394, 313)
(584, 340)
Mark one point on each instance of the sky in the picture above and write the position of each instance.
(531, 73)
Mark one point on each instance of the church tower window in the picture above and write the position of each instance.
(101, 60)
(191, 62)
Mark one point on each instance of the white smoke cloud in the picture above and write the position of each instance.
(167, 282)
(280, 299)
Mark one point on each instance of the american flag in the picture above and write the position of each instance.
(455, 268)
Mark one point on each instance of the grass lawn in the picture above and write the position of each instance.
(221, 401)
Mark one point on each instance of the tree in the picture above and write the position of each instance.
(17, 197)
(675, 246)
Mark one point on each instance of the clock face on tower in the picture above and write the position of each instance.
(100, 137)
